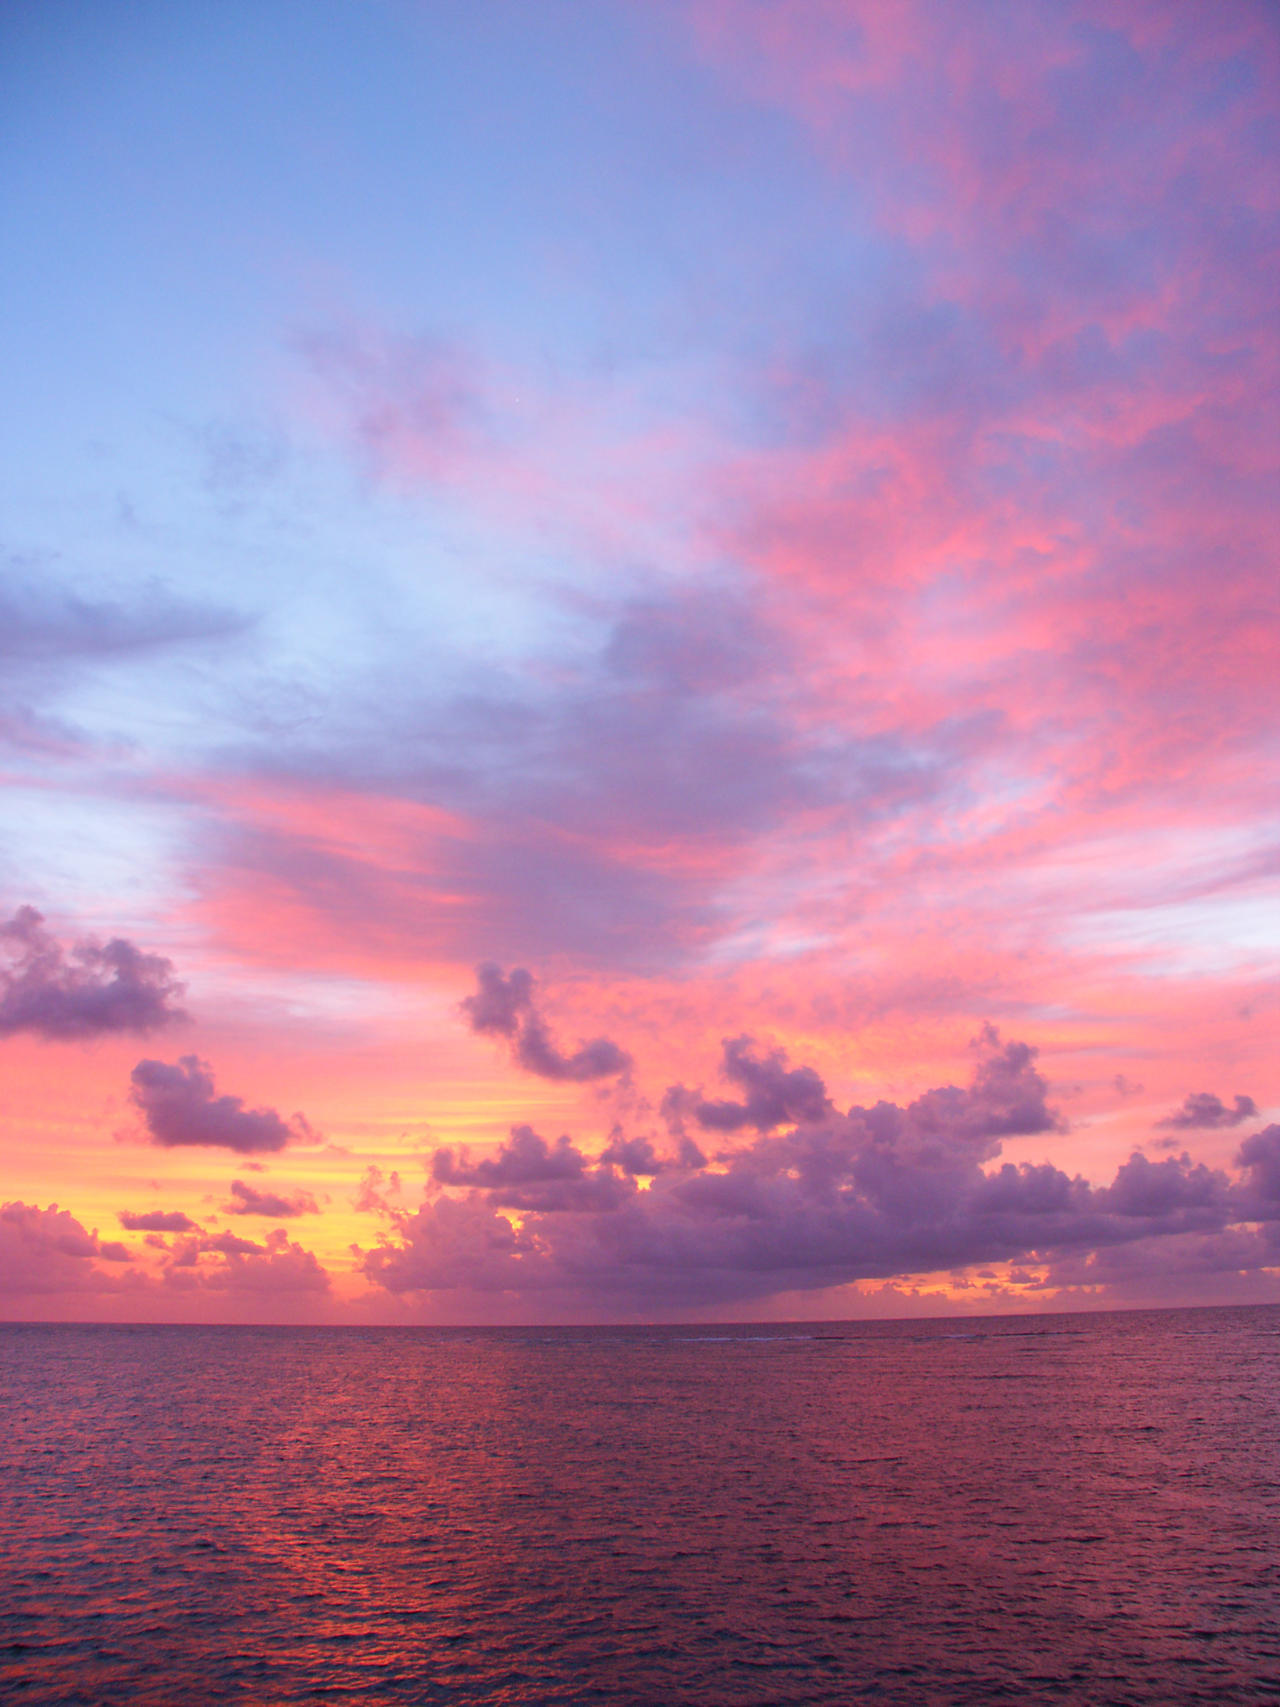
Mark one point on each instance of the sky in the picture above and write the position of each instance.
(638, 659)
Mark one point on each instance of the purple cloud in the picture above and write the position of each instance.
(180, 1106)
(48, 1251)
(274, 1268)
(500, 1002)
(775, 1094)
(1260, 1155)
(504, 1006)
(1176, 1187)
(872, 1194)
(88, 991)
(594, 816)
(245, 1200)
(529, 1173)
(156, 1221)
(638, 1155)
(1204, 1110)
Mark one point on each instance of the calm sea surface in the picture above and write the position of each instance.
(1080, 1509)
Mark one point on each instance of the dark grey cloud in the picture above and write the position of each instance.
(180, 1105)
(1203, 1110)
(245, 1200)
(156, 1221)
(86, 991)
(504, 1006)
(816, 1199)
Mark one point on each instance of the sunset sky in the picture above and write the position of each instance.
(641, 658)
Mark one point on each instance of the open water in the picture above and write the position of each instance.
(1056, 1509)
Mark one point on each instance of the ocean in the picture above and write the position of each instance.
(1078, 1508)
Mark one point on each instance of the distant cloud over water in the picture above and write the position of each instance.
(834, 1198)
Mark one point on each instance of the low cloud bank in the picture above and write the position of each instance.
(48, 1251)
(817, 1198)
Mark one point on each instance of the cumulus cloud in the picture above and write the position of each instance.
(639, 1155)
(275, 1268)
(89, 990)
(775, 1094)
(504, 1006)
(529, 1173)
(179, 1105)
(1006, 1098)
(1260, 1156)
(817, 1198)
(245, 1200)
(156, 1221)
(452, 1243)
(48, 1251)
(371, 1198)
(1220, 1266)
(1176, 1188)
(1204, 1110)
